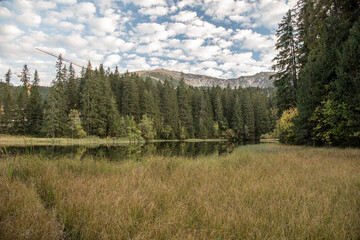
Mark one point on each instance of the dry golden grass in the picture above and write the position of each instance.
(267, 191)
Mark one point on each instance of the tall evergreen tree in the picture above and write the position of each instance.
(130, 97)
(34, 108)
(169, 110)
(286, 63)
(249, 118)
(184, 105)
(72, 90)
(238, 120)
(9, 105)
(55, 114)
(22, 100)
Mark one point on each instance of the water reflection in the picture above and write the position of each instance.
(127, 151)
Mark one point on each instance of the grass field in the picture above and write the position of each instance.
(267, 191)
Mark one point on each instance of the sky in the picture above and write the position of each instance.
(218, 38)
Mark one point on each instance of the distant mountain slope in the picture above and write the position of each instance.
(261, 80)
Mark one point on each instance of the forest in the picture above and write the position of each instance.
(318, 74)
(105, 103)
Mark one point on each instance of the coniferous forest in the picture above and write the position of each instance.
(104, 103)
(316, 80)
(318, 73)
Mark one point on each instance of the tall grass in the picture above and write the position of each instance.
(264, 191)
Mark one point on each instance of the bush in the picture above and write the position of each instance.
(285, 126)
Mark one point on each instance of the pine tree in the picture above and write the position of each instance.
(130, 97)
(8, 103)
(34, 108)
(238, 120)
(169, 110)
(249, 118)
(286, 77)
(261, 114)
(227, 102)
(216, 96)
(55, 114)
(185, 114)
(72, 90)
(22, 101)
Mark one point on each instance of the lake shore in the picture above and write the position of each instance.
(13, 140)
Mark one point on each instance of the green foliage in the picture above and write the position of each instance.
(55, 114)
(334, 124)
(132, 131)
(238, 121)
(286, 126)
(21, 101)
(34, 108)
(286, 63)
(327, 39)
(9, 105)
(110, 104)
(74, 124)
(146, 126)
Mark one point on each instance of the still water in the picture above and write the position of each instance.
(125, 151)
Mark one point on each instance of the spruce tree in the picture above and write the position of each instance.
(184, 105)
(9, 105)
(55, 114)
(34, 108)
(286, 63)
(169, 110)
(249, 118)
(238, 120)
(22, 101)
(72, 90)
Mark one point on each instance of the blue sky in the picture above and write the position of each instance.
(219, 38)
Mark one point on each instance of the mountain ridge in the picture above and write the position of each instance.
(261, 80)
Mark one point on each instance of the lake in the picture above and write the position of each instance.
(125, 151)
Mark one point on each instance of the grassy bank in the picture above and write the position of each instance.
(265, 191)
(13, 140)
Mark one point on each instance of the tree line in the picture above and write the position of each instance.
(318, 73)
(104, 103)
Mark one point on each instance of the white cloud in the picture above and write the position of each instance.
(218, 9)
(112, 60)
(184, 16)
(69, 26)
(9, 32)
(192, 44)
(4, 12)
(255, 41)
(187, 3)
(213, 72)
(29, 19)
(76, 41)
(147, 3)
(101, 26)
(150, 32)
(22, 5)
(85, 9)
(45, 5)
(66, 1)
(155, 11)
(137, 63)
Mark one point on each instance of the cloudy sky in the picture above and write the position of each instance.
(219, 38)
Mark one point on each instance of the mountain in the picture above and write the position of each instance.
(261, 80)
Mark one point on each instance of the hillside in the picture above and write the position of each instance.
(261, 80)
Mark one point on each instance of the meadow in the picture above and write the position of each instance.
(266, 191)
